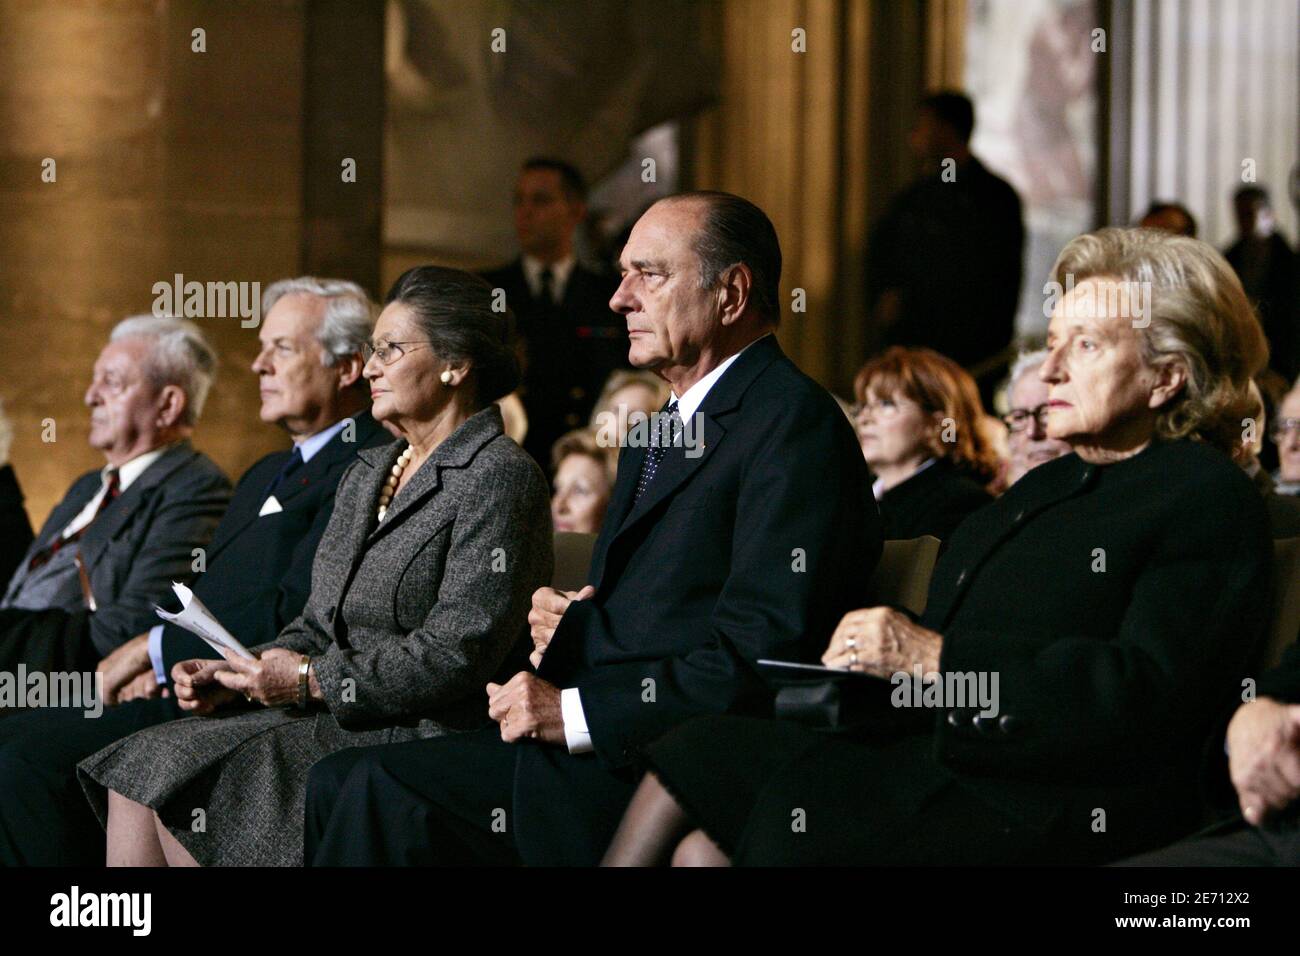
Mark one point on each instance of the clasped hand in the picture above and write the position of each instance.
(527, 707)
(204, 685)
(1264, 757)
(883, 642)
(549, 606)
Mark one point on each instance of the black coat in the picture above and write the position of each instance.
(258, 573)
(1109, 681)
(933, 501)
(15, 530)
(568, 351)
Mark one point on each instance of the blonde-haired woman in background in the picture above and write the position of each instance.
(584, 480)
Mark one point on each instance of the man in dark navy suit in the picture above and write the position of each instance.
(258, 565)
(571, 339)
(744, 529)
(944, 262)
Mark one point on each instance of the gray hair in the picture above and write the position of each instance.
(1025, 362)
(1200, 316)
(349, 314)
(180, 356)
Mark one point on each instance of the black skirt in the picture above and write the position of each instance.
(774, 793)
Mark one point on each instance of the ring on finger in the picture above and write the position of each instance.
(853, 659)
(851, 643)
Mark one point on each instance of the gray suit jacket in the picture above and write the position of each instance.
(138, 545)
(407, 621)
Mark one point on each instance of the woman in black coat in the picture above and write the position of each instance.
(1082, 636)
(920, 423)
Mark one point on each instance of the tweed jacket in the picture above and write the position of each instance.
(407, 620)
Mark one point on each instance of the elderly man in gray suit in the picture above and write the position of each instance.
(111, 548)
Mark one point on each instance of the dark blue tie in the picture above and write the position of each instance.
(658, 448)
(290, 466)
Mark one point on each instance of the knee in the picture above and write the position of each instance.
(328, 775)
(696, 849)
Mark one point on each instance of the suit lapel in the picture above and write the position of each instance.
(364, 530)
(336, 451)
(116, 515)
(456, 451)
(244, 509)
(677, 466)
(620, 503)
(723, 399)
(85, 488)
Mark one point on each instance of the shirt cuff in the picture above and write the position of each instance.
(156, 655)
(576, 736)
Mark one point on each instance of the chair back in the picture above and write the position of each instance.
(572, 560)
(902, 578)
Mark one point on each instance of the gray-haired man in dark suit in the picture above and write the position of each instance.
(111, 548)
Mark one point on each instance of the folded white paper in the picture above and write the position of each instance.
(197, 619)
(270, 506)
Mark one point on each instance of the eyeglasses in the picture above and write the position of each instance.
(1283, 427)
(389, 352)
(1018, 419)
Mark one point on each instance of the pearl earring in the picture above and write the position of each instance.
(446, 377)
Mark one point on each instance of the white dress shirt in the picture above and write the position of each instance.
(560, 272)
(307, 447)
(576, 735)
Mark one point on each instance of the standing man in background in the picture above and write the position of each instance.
(944, 263)
(571, 340)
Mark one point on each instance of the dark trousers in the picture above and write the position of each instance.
(461, 800)
(49, 641)
(45, 819)
(1231, 842)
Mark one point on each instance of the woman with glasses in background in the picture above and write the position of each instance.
(922, 430)
(420, 595)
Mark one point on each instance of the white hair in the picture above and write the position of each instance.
(180, 356)
(1025, 363)
(349, 314)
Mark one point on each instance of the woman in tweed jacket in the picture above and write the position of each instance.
(420, 595)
